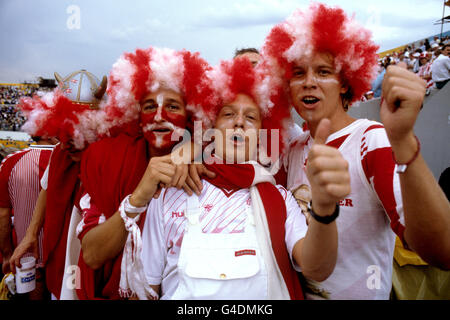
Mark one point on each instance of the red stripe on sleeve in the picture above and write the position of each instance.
(91, 218)
(375, 126)
(379, 167)
(336, 143)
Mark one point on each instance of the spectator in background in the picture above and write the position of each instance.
(441, 68)
(377, 84)
(20, 174)
(252, 53)
(414, 64)
(425, 70)
(427, 45)
(75, 125)
(11, 118)
(436, 51)
(407, 59)
(436, 41)
(422, 46)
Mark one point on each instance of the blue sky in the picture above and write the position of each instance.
(40, 37)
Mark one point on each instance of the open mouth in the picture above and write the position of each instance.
(237, 138)
(310, 100)
(161, 130)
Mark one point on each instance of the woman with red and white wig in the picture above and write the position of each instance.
(243, 237)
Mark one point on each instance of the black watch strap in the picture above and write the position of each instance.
(326, 219)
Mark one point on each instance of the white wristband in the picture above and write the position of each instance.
(128, 207)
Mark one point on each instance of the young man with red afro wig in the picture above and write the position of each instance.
(328, 61)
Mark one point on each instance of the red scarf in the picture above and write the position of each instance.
(63, 185)
(110, 170)
(233, 177)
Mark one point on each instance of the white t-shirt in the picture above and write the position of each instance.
(440, 69)
(222, 212)
(367, 216)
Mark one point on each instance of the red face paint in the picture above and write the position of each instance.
(159, 129)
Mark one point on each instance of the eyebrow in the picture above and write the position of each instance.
(170, 100)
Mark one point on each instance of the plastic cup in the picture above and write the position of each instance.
(26, 275)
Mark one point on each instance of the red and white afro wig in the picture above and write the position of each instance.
(321, 28)
(239, 76)
(55, 115)
(137, 74)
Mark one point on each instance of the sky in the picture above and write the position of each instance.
(40, 37)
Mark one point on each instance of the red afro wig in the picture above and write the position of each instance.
(239, 76)
(146, 70)
(54, 115)
(321, 28)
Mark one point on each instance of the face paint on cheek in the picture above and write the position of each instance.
(178, 120)
(299, 82)
(176, 124)
(160, 100)
(328, 80)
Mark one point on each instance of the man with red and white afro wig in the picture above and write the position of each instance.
(55, 115)
(154, 95)
(134, 75)
(239, 77)
(326, 29)
(73, 119)
(328, 61)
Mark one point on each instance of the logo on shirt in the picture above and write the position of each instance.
(346, 203)
(177, 214)
(208, 207)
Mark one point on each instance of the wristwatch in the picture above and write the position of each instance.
(326, 219)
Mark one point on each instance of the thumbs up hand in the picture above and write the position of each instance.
(327, 171)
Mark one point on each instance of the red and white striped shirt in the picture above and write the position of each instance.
(20, 175)
(367, 217)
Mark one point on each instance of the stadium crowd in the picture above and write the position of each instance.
(419, 60)
(11, 117)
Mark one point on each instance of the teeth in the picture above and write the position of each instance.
(310, 100)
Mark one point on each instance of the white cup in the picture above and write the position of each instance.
(26, 275)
